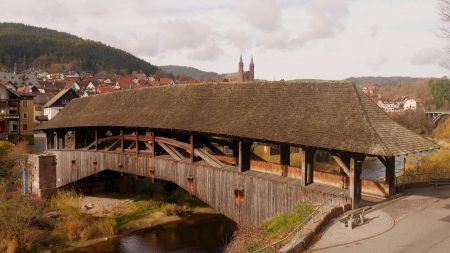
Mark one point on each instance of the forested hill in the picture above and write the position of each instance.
(29, 46)
(379, 80)
(191, 72)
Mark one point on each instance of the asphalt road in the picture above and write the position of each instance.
(422, 224)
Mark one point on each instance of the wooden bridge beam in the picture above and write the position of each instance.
(194, 143)
(285, 158)
(307, 166)
(390, 174)
(51, 140)
(121, 140)
(60, 137)
(244, 157)
(356, 162)
(80, 136)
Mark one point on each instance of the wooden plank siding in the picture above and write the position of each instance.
(265, 195)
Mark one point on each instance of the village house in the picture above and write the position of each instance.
(104, 88)
(370, 90)
(40, 99)
(16, 114)
(389, 104)
(408, 103)
(59, 101)
(126, 82)
(26, 110)
(72, 84)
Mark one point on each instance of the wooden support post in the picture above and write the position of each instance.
(153, 143)
(121, 141)
(194, 142)
(245, 153)
(60, 136)
(235, 148)
(137, 142)
(390, 174)
(96, 139)
(50, 143)
(285, 158)
(55, 140)
(356, 162)
(80, 138)
(307, 166)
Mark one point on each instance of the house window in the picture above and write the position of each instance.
(25, 115)
(38, 108)
(24, 103)
(64, 101)
(24, 127)
(14, 127)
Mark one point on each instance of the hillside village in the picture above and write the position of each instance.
(33, 96)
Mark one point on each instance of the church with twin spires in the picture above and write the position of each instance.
(241, 75)
(246, 76)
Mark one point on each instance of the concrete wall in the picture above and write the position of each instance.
(43, 174)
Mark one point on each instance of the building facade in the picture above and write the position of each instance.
(54, 105)
(16, 115)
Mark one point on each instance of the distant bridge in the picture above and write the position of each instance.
(435, 116)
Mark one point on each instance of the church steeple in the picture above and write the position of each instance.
(252, 70)
(241, 70)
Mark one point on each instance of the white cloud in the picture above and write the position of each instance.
(377, 62)
(328, 39)
(327, 19)
(264, 15)
(373, 30)
(206, 52)
(428, 56)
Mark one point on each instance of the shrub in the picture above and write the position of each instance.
(106, 227)
(87, 233)
(12, 246)
(66, 203)
(5, 148)
(436, 162)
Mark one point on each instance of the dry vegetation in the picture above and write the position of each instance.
(249, 239)
(442, 131)
(414, 120)
(433, 166)
(32, 224)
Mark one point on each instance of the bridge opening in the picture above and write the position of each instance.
(117, 183)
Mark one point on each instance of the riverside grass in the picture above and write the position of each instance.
(254, 238)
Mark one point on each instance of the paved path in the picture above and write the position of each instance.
(421, 224)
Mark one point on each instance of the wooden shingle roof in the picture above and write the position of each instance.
(323, 114)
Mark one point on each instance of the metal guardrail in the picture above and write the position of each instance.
(296, 232)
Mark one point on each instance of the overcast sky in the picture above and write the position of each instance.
(327, 39)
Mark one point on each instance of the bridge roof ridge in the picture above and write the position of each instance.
(323, 114)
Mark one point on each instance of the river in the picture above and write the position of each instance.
(198, 233)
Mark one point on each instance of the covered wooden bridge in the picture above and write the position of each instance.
(201, 137)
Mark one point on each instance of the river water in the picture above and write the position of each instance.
(374, 170)
(197, 233)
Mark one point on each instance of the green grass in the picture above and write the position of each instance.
(143, 208)
(253, 246)
(284, 223)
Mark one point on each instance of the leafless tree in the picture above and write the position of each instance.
(444, 11)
